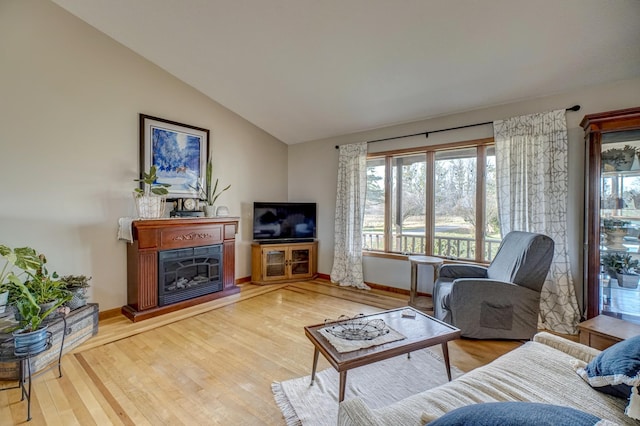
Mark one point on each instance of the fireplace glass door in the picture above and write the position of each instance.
(187, 273)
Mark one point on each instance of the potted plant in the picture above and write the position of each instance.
(618, 159)
(34, 293)
(30, 335)
(624, 267)
(208, 192)
(77, 285)
(151, 198)
(46, 288)
(22, 258)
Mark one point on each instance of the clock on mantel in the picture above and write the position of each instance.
(186, 207)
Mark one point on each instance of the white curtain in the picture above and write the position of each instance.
(352, 185)
(531, 166)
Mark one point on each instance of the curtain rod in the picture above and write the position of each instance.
(426, 134)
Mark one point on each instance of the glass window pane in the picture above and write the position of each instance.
(408, 200)
(455, 203)
(492, 221)
(373, 222)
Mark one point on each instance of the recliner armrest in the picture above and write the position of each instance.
(462, 271)
(575, 349)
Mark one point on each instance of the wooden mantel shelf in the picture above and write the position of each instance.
(154, 235)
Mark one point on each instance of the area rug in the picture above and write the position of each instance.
(378, 384)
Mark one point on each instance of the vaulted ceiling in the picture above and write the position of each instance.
(310, 69)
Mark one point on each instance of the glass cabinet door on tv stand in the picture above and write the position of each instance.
(272, 263)
(612, 209)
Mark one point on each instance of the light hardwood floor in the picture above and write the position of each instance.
(209, 364)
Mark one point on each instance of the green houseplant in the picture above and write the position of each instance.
(34, 293)
(30, 336)
(208, 191)
(77, 285)
(45, 288)
(623, 267)
(618, 159)
(16, 262)
(151, 198)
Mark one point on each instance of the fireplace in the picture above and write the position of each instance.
(176, 263)
(187, 273)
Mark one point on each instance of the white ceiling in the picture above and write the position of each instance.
(310, 69)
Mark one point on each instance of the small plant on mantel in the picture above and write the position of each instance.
(149, 184)
(150, 199)
(208, 192)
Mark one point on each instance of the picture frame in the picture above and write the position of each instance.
(179, 152)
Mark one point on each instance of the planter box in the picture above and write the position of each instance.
(628, 280)
(82, 324)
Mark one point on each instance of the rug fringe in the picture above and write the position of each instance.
(290, 416)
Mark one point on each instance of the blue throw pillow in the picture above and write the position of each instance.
(515, 414)
(616, 370)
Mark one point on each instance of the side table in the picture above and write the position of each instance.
(420, 302)
(603, 331)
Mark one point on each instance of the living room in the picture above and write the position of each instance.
(69, 128)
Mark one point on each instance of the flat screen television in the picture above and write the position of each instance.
(284, 222)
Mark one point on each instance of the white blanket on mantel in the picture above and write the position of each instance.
(124, 229)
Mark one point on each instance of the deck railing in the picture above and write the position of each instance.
(451, 247)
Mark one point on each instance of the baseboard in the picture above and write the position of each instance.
(109, 313)
(378, 286)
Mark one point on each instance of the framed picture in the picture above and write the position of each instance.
(178, 151)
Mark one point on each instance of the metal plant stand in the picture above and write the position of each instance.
(7, 354)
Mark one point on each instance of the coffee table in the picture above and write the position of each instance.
(421, 331)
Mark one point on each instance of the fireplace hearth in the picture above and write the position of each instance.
(187, 273)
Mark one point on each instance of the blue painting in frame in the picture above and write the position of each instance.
(178, 151)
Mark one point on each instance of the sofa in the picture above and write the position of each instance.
(542, 370)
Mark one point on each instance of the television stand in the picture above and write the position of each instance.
(283, 262)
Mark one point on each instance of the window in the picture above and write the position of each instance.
(436, 201)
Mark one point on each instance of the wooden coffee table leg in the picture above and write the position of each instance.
(343, 382)
(315, 365)
(445, 352)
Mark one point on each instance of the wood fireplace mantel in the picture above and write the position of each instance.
(154, 235)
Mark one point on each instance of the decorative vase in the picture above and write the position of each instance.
(615, 237)
(209, 210)
(150, 206)
(628, 280)
(30, 342)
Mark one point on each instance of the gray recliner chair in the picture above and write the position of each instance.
(501, 301)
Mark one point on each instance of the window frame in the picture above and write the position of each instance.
(430, 151)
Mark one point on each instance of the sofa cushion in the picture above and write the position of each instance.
(515, 414)
(616, 370)
(538, 371)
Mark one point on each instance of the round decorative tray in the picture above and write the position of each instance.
(356, 328)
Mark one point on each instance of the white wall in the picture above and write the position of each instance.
(69, 103)
(313, 166)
